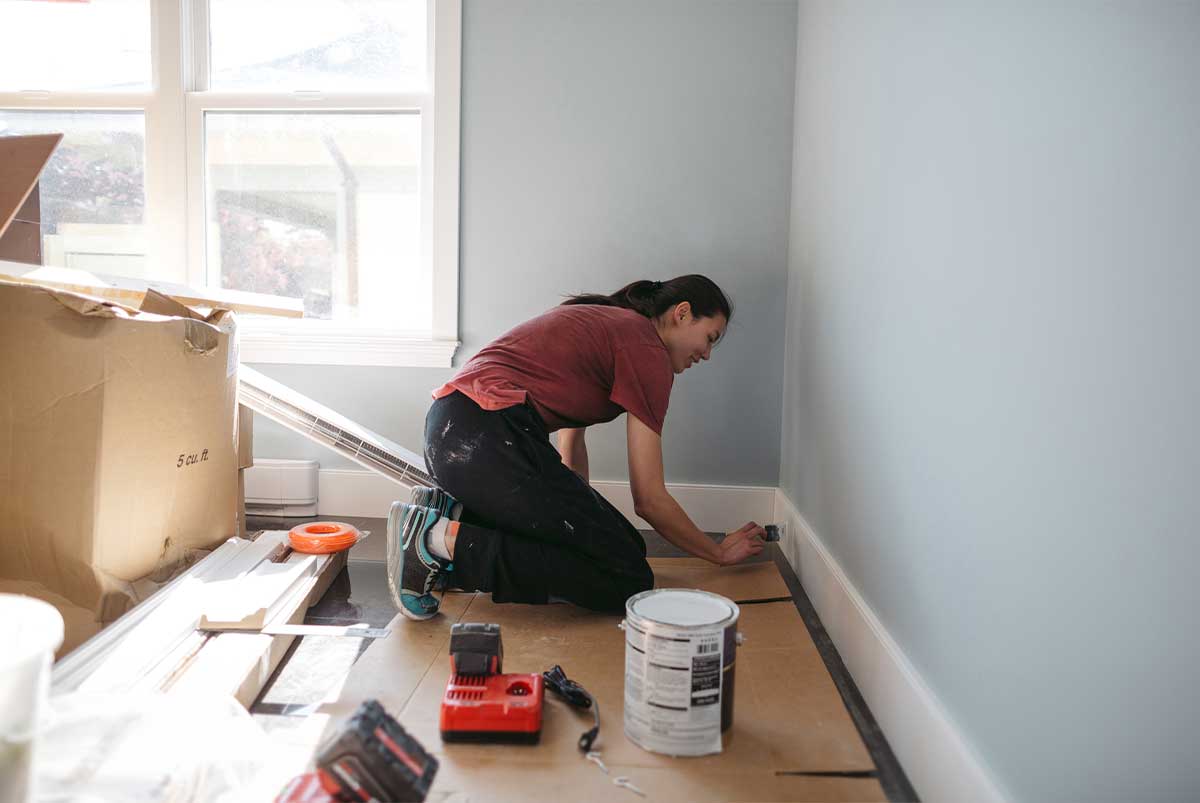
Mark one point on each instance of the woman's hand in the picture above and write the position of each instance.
(742, 543)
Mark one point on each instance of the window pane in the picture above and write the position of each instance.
(322, 206)
(330, 45)
(92, 190)
(101, 45)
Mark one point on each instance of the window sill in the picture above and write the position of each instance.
(301, 344)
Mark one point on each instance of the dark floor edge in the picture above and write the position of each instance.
(762, 601)
(891, 775)
(830, 773)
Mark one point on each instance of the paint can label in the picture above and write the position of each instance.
(673, 690)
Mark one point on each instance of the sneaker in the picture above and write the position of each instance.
(437, 499)
(412, 570)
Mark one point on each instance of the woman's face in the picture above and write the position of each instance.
(689, 339)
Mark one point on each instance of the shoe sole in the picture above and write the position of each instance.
(397, 544)
(420, 496)
(423, 496)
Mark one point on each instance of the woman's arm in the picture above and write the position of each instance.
(653, 503)
(573, 448)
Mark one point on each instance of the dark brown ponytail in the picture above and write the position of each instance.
(652, 298)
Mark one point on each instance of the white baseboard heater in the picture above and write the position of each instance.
(321, 425)
(282, 487)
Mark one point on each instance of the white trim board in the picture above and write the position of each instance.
(714, 508)
(306, 343)
(350, 492)
(937, 757)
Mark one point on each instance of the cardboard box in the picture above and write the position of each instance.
(245, 437)
(242, 529)
(118, 441)
(245, 449)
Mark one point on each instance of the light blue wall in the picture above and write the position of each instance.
(991, 385)
(604, 142)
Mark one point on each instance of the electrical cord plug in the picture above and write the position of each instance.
(557, 681)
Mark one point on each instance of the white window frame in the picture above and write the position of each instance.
(175, 218)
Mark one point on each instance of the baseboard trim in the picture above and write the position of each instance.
(714, 508)
(939, 761)
(349, 492)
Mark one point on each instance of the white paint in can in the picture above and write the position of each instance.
(680, 646)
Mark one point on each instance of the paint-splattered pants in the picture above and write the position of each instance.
(531, 529)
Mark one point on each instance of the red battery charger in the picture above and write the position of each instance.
(481, 704)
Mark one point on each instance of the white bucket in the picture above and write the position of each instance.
(680, 651)
(30, 630)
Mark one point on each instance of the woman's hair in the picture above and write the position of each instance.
(652, 298)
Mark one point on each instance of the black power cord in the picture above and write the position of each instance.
(574, 694)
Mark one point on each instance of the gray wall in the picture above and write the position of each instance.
(604, 142)
(991, 388)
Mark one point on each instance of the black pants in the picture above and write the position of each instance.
(531, 528)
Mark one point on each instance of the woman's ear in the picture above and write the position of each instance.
(682, 310)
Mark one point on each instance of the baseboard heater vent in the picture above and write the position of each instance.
(318, 423)
(282, 487)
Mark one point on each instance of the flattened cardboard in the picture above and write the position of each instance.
(788, 716)
(797, 713)
(773, 626)
(391, 668)
(535, 638)
(743, 582)
(490, 778)
(797, 724)
(117, 445)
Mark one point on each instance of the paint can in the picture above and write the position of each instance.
(31, 631)
(680, 651)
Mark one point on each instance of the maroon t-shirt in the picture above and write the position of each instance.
(578, 365)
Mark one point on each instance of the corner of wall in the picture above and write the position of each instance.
(937, 757)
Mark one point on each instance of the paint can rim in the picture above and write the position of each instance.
(633, 616)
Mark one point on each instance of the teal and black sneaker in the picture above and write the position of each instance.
(412, 570)
(436, 498)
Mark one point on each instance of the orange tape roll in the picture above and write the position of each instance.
(323, 537)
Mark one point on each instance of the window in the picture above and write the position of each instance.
(209, 143)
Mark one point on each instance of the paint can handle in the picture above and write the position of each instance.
(739, 638)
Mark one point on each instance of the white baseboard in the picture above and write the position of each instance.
(349, 492)
(282, 487)
(714, 508)
(940, 762)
